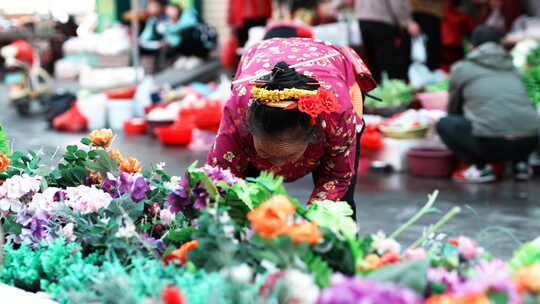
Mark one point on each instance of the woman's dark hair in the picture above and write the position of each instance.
(266, 121)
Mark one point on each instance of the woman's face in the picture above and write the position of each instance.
(279, 150)
(172, 12)
(496, 4)
(153, 8)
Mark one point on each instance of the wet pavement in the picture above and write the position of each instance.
(499, 215)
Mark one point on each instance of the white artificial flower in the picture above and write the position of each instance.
(228, 230)
(126, 231)
(224, 218)
(269, 266)
(160, 166)
(166, 216)
(536, 242)
(239, 274)
(173, 183)
(7, 204)
(19, 185)
(383, 245)
(301, 287)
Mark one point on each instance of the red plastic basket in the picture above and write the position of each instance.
(135, 126)
(175, 135)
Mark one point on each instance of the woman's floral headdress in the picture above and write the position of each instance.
(311, 102)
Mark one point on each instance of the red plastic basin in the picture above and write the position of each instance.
(430, 162)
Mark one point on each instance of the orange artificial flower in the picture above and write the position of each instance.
(304, 232)
(370, 262)
(528, 278)
(440, 299)
(101, 138)
(115, 154)
(270, 218)
(4, 162)
(180, 253)
(450, 299)
(130, 165)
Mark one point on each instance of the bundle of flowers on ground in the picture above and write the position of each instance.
(97, 228)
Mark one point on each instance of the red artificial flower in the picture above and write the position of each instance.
(390, 258)
(314, 105)
(180, 254)
(328, 100)
(310, 105)
(172, 295)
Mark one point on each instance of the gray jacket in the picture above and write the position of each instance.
(385, 11)
(486, 88)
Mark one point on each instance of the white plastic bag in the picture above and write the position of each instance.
(418, 49)
(420, 75)
(94, 108)
(143, 96)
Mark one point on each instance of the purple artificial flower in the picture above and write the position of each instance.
(220, 174)
(158, 244)
(110, 186)
(491, 275)
(184, 197)
(126, 183)
(139, 189)
(345, 290)
(179, 198)
(34, 217)
(201, 196)
(59, 196)
(441, 275)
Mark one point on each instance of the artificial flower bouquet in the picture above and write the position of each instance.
(96, 228)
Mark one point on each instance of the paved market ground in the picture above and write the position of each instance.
(499, 215)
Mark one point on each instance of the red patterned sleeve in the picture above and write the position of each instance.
(227, 151)
(337, 166)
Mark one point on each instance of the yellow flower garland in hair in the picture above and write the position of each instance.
(270, 96)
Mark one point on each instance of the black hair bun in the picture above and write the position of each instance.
(285, 77)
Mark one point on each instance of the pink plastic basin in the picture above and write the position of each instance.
(433, 100)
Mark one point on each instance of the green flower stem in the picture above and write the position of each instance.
(455, 211)
(431, 200)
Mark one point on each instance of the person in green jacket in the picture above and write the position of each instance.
(490, 116)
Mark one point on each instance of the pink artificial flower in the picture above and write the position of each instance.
(468, 248)
(87, 199)
(415, 254)
(67, 232)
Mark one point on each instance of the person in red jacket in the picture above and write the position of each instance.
(245, 14)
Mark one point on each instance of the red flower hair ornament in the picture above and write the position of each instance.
(315, 104)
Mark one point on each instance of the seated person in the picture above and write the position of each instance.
(177, 32)
(490, 116)
(150, 41)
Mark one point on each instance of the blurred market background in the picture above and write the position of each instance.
(73, 66)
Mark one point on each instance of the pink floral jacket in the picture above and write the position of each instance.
(333, 155)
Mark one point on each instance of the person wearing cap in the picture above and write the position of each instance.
(490, 117)
(296, 109)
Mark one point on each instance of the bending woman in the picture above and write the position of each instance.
(296, 121)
